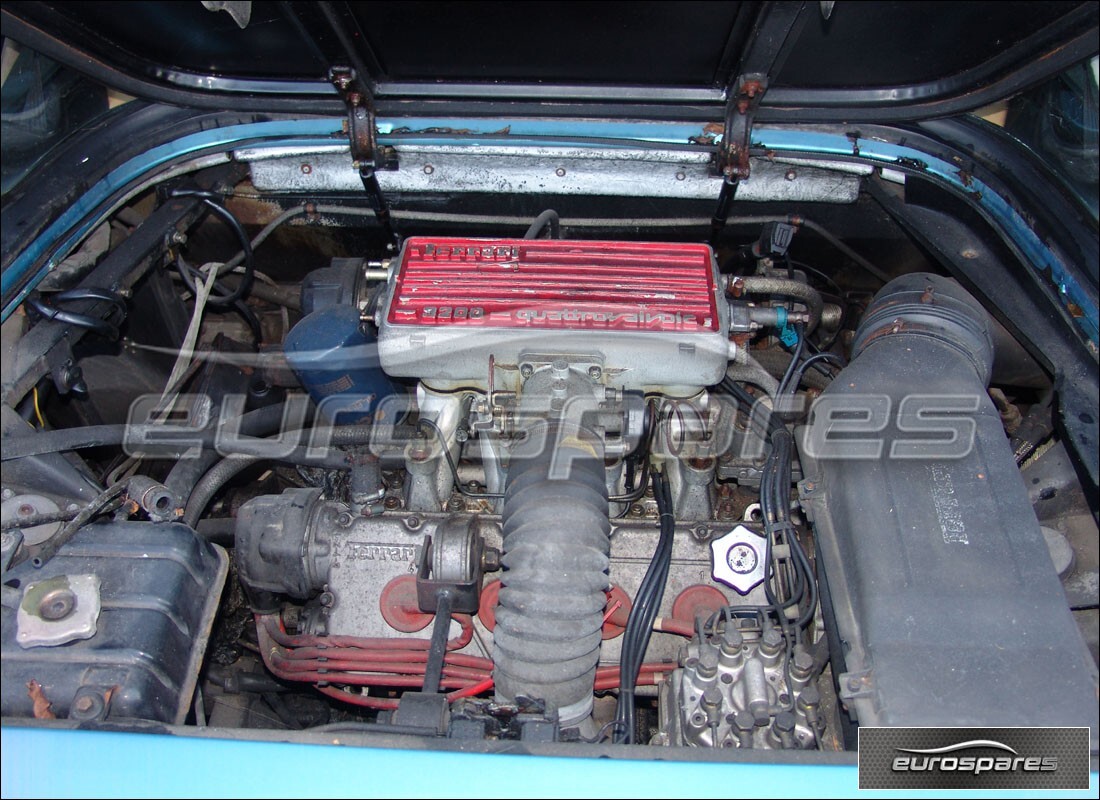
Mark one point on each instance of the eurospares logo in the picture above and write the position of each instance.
(973, 758)
(953, 758)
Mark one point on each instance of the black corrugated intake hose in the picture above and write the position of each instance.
(556, 546)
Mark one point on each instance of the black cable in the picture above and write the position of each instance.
(238, 304)
(373, 727)
(189, 274)
(637, 492)
(777, 518)
(641, 455)
(769, 495)
(802, 265)
(79, 320)
(628, 659)
(49, 548)
(550, 218)
(47, 308)
(451, 463)
(209, 437)
(749, 402)
(228, 468)
(796, 357)
(806, 616)
(801, 222)
(230, 296)
(91, 293)
(817, 358)
(259, 422)
(437, 648)
(34, 520)
(601, 734)
(639, 626)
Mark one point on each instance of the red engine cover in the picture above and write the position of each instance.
(554, 284)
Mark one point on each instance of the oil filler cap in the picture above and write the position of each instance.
(739, 559)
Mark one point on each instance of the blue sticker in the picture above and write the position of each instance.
(787, 334)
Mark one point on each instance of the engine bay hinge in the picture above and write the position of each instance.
(732, 158)
(743, 99)
(775, 32)
(366, 153)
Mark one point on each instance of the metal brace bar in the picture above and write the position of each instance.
(774, 33)
(745, 95)
(733, 154)
(365, 153)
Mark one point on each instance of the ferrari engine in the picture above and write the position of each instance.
(561, 409)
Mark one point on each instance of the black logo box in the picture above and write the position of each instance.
(973, 758)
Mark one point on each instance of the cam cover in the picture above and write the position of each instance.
(650, 312)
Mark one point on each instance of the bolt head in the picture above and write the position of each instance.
(810, 695)
(490, 559)
(744, 721)
(772, 637)
(57, 605)
(785, 721)
(803, 660)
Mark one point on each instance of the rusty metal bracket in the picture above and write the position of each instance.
(744, 99)
(775, 31)
(732, 158)
(367, 156)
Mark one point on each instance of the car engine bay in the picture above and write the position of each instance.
(597, 482)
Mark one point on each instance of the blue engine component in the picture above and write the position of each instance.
(337, 362)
